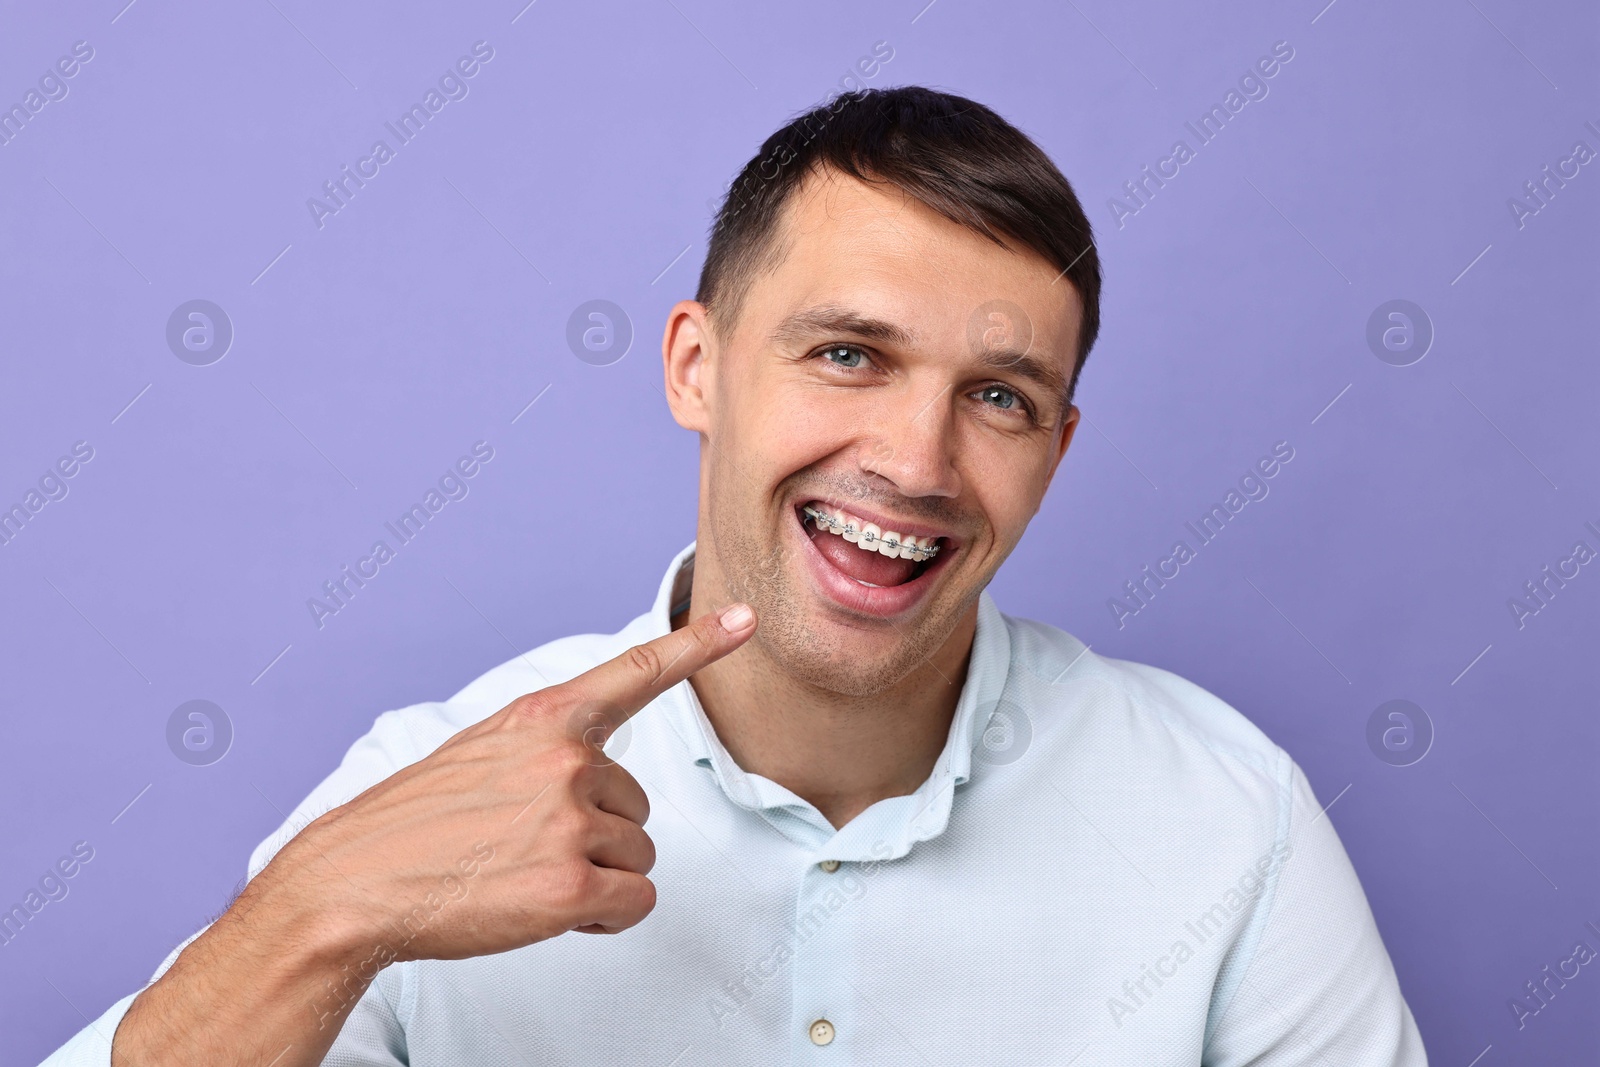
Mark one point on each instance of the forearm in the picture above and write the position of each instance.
(259, 987)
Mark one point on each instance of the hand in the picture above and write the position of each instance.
(515, 830)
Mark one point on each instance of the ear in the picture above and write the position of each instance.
(685, 352)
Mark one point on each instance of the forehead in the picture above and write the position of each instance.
(875, 249)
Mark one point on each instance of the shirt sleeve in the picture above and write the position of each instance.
(1312, 982)
(372, 1036)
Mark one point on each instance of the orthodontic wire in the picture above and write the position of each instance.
(895, 543)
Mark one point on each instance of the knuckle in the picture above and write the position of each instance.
(579, 763)
(564, 759)
(702, 646)
(564, 763)
(571, 826)
(572, 886)
(705, 636)
(531, 707)
(646, 661)
(647, 850)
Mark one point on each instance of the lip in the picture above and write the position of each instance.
(877, 602)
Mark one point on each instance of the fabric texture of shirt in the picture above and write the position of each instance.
(1107, 866)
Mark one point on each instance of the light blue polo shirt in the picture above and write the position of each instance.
(1107, 865)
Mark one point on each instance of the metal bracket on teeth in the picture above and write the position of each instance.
(832, 524)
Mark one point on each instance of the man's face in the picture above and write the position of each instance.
(894, 368)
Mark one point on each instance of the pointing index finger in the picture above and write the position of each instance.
(621, 686)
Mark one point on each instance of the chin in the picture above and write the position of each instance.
(839, 656)
(846, 672)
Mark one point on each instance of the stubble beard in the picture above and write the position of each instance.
(762, 573)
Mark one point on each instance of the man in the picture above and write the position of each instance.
(888, 824)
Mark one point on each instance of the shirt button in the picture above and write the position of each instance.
(821, 1032)
(830, 866)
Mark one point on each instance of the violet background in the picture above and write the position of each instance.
(431, 310)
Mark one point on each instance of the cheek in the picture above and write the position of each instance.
(796, 427)
(812, 425)
(1005, 481)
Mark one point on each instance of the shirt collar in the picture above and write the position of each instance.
(888, 828)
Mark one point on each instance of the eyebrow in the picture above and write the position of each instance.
(831, 319)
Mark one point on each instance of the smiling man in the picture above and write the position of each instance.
(887, 823)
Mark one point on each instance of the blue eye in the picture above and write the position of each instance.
(1004, 399)
(852, 355)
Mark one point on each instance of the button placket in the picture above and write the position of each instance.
(822, 957)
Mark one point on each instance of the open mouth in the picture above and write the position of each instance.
(868, 554)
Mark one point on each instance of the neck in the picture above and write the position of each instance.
(842, 753)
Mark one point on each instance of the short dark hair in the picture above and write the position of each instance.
(952, 154)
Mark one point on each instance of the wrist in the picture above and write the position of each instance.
(307, 930)
(311, 942)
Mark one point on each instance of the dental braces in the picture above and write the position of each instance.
(918, 554)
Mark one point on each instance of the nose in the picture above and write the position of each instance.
(913, 444)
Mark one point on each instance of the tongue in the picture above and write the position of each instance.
(858, 563)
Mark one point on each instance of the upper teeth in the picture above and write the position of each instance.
(871, 538)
